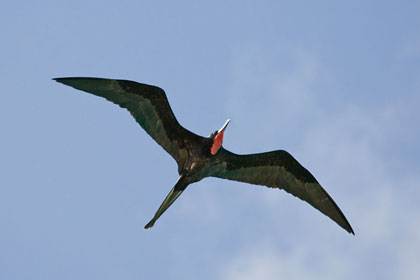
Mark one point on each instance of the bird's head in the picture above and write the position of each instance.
(217, 138)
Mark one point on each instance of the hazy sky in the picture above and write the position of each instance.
(337, 84)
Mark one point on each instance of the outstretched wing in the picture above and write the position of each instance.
(278, 169)
(147, 104)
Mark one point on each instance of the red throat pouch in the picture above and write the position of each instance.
(217, 143)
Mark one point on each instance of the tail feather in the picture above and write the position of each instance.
(176, 191)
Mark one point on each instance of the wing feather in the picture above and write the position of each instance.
(278, 169)
(147, 104)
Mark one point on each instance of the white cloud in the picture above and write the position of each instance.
(349, 150)
(266, 263)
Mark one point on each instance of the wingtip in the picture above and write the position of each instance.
(64, 78)
(349, 229)
(58, 80)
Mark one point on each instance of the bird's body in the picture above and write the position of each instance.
(199, 157)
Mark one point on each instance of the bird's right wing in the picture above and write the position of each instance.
(147, 104)
(278, 169)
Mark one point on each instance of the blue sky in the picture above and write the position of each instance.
(336, 84)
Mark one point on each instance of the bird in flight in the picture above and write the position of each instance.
(199, 157)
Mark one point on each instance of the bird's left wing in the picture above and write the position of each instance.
(278, 169)
(147, 104)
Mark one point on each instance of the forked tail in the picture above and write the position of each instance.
(176, 191)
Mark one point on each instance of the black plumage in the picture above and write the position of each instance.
(199, 157)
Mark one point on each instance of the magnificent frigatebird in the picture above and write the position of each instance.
(199, 157)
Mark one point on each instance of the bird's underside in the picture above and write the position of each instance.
(198, 157)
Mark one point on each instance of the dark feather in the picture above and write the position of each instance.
(278, 169)
(147, 104)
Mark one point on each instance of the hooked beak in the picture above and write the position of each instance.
(224, 126)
